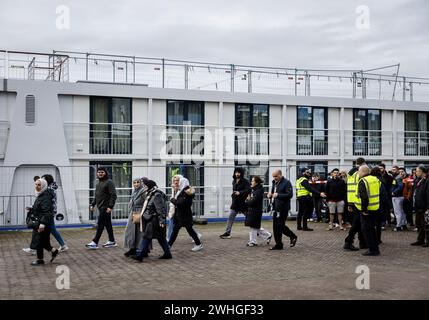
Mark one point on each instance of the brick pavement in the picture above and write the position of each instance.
(317, 268)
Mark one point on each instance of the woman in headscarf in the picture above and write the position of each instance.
(42, 211)
(133, 236)
(182, 201)
(154, 213)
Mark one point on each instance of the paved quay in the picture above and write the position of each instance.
(317, 268)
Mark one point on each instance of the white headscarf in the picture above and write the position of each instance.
(183, 183)
(44, 185)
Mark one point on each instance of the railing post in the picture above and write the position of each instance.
(6, 65)
(296, 84)
(249, 81)
(114, 69)
(163, 72)
(411, 92)
(186, 77)
(354, 85)
(307, 84)
(404, 91)
(134, 69)
(86, 67)
(232, 77)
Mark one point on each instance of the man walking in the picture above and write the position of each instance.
(240, 190)
(105, 198)
(280, 195)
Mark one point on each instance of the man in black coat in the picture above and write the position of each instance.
(105, 198)
(240, 190)
(421, 205)
(280, 195)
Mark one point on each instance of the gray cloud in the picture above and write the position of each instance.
(308, 33)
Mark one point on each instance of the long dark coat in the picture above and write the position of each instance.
(158, 209)
(254, 207)
(44, 212)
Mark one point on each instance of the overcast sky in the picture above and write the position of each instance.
(305, 33)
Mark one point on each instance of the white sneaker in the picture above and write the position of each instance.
(251, 244)
(110, 244)
(197, 248)
(63, 248)
(92, 245)
(29, 250)
(199, 235)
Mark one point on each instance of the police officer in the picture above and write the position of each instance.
(368, 204)
(352, 186)
(304, 193)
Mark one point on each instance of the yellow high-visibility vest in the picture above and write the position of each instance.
(352, 186)
(372, 185)
(300, 190)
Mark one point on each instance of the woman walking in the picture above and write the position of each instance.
(182, 202)
(254, 213)
(42, 212)
(133, 236)
(152, 221)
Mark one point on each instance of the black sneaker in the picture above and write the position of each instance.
(37, 262)
(299, 228)
(138, 258)
(426, 245)
(371, 253)
(293, 242)
(166, 256)
(350, 247)
(417, 243)
(225, 235)
(130, 252)
(276, 247)
(307, 229)
(54, 255)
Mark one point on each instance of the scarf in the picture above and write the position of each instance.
(136, 194)
(183, 183)
(44, 185)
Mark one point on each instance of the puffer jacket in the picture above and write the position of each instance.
(183, 207)
(43, 208)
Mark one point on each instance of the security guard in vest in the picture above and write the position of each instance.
(304, 193)
(352, 186)
(368, 205)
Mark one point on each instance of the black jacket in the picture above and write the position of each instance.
(336, 190)
(243, 186)
(43, 208)
(183, 204)
(105, 195)
(157, 208)
(285, 193)
(254, 207)
(420, 195)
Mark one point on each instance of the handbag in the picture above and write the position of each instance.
(32, 221)
(136, 217)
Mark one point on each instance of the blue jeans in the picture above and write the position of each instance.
(146, 242)
(170, 227)
(56, 234)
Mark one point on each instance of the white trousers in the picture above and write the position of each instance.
(254, 233)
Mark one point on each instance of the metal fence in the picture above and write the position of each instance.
(182, 74)
(213, 185)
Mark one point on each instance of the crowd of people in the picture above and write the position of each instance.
(363, 201)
